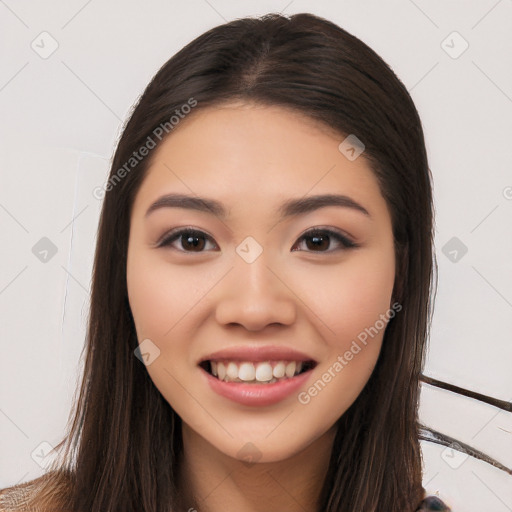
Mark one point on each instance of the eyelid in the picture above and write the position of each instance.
(330, 230)
(347, 241)
(344, 239)
(162, 241)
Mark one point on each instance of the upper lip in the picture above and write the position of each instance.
(266, 353)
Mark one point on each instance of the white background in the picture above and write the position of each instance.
(60, 120)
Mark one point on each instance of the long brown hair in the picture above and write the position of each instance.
(118, 456)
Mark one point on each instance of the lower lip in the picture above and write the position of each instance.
(257, 394)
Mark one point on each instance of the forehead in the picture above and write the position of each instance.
(243, 152)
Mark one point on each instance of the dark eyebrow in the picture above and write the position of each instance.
(290, 208)
(294, 207)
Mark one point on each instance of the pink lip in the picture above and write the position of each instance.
(258, 353)
(256, 394)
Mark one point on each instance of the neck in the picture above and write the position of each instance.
(212, 481)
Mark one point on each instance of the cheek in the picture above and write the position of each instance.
(352, 304)
(349, 298)
(148, 302)
(159, 296)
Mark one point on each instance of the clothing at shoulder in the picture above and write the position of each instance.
(431, 504)
(16, 498)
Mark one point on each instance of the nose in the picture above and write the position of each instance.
(255, 295)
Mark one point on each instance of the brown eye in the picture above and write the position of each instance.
(320, 240)
(317, 240)
(191, 240)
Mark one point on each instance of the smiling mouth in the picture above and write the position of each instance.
(264, 372)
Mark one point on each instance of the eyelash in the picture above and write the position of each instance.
(343, 240)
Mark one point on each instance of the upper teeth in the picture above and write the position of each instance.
(260, 371)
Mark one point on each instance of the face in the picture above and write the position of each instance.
(317, 278)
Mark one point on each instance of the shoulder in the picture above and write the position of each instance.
(33, 496)
(431, 504)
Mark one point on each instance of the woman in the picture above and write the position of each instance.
(262, 288)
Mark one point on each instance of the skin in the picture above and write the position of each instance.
(190, 304)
